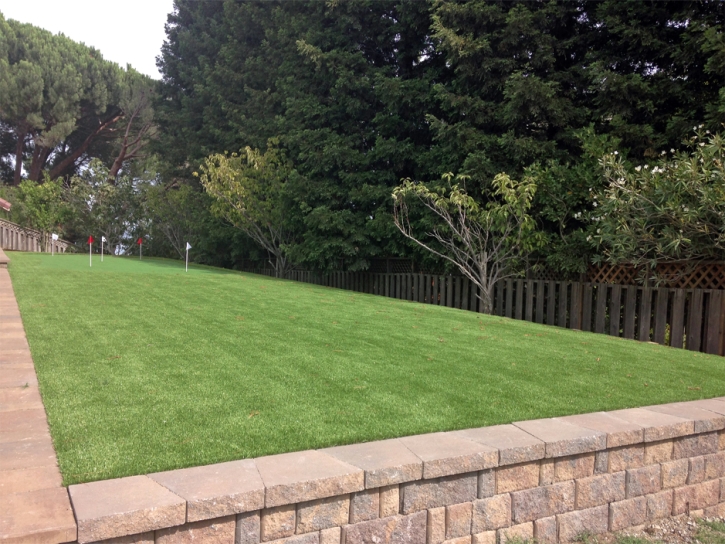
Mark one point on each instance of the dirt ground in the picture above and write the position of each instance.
(678, 530)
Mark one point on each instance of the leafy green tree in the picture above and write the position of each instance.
(672, 209)
(42, 206)
(487, 243)
(249, 191)
(61, 103)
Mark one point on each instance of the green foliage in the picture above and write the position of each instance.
(103, 207)
(670, 209)
(60, 103)
(42, 205)
(487, 243)
(250, 191)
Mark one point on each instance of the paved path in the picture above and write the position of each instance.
(35, 505)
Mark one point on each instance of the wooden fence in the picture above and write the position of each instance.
(683, 318)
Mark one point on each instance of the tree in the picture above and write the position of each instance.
(249, 189)
(42, 206)
(60, 103)
(672, 209)
(487, 243)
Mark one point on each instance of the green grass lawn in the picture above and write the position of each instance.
(144, 367)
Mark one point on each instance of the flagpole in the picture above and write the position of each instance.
(103, 239)
(187, 260)
(90, 254)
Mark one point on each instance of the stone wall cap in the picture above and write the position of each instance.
(444, 454)
(41, 517)
(215, 491)
(713, 405)
(305, 476)
(704, 420)
(514, 445)
(563, 438)
(657, 426)
(619, 432)
(385, 462)
(124, 506)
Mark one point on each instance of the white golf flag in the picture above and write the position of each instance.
(54, 237)
(103, 239)
(188, 246)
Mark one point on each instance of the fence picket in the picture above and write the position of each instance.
(519, 309)
(539, 301)
(529, 316)
(509, 297)
(563, 287)
(714, 312)
(677, 328)
(587, 307)
(694, 328)
(630, 309)
(551, 303)
(575, 311)
(601, 313)
(645, 314)
(615, 310)
(661, 303)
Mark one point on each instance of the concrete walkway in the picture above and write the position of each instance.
(35, 505)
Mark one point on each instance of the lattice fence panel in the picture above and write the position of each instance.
(680, 275)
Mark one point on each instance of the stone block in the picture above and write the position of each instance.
(715, 465)
(212, 531)
(692, 446)
(124, 506)
(696, 470)
(601, 489)
(592, 521)
(17, 425)
(491, 513)
(458, 520)
(659, 505)
(657, 426)
(445, 454)
(658, 452)
(717, 511)
(29, 479)
(309, 538)
(306, 475)
(601, 462)
(721, 441)
(722, 489)
(37, 517)
(547, 474)
(392, 530)
(249, 528)
(643, 481)
(20, 398)
(27, 454)
(486, 483)
(389, 501)
(459, 540)
(365, 505)
(695, 497)
(278, 522)
(513, 444)
(517, 477)
(627, 513)
(143, 538)
(626, 457)
(322, 514)
(214, 491)
(562, 438)
(524, 532)
(571, 468)
(425, 494)
(436, 529)
(704, 420)
(542, 502)
(674, 473)
(618, 431)
(331, 535)
(545, 530)
(385, 462)
(488, 537)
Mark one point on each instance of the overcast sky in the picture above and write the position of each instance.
(125, 31)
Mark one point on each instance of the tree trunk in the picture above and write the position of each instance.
(19, 148)
(60, 169)
(40, 156)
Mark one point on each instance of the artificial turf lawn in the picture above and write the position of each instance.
(144, 367)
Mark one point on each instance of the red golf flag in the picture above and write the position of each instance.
(90, 239)
(139, 241)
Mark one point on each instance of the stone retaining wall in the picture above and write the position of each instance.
(550, 480)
